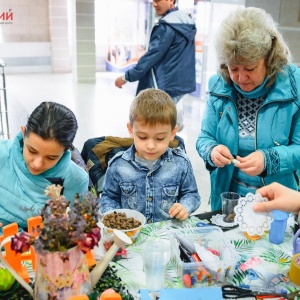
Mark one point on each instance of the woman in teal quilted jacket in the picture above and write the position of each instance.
(38, 157)
(252, 112)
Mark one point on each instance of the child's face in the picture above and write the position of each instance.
(151, 142)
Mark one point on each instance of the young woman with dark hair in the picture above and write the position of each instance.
(38, 157)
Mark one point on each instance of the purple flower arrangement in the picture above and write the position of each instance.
(63, 226)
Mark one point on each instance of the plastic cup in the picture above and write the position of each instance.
(229, 201)
(156, 255)
(278, 226)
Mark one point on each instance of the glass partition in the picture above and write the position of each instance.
(121, 32)
(215, 12)
(123, 27)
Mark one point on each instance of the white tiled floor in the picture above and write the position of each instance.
(101, 109)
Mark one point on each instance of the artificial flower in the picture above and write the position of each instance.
(63, 226)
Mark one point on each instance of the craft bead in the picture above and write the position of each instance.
(187, 280)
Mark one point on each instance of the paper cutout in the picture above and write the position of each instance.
(218, 220)
(250, 221)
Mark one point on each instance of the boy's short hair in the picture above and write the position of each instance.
(153, 106)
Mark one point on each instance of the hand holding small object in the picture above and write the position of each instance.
(233, 160)
(280, 197)
(220, 156)
(252, 164)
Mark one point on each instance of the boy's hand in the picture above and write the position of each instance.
(178, 211)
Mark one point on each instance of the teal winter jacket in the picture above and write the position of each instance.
(22, 194)
(277, 127)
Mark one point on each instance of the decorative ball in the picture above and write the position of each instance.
(6, 280)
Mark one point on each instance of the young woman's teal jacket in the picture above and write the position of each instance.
(22, 194)
(277, 128)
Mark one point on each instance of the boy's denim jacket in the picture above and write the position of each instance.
(130, 185)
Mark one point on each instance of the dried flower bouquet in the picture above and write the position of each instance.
(63, 226)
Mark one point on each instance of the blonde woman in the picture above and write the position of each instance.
(252, 111)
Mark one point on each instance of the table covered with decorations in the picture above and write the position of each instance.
(258, 262)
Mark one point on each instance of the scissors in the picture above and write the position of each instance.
(234, 292)
(202, 224)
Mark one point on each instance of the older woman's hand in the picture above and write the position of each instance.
(252, 164)
(221, 156)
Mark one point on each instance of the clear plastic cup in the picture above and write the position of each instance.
(156, 255)
(229, 201)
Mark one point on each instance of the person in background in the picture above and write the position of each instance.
(169, 63)
(280, 197)
(252, 113)
(150, 177)
(39, 156)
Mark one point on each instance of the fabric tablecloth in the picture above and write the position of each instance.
(258, 261)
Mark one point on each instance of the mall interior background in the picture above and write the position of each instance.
(75, 35)
(71, 51)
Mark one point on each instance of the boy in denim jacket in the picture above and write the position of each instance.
(150, 177)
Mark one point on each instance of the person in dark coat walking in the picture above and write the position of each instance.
(169, 63)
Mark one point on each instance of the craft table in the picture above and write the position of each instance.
(261, 256)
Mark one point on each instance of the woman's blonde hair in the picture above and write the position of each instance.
(247, 35)
(153, 106)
